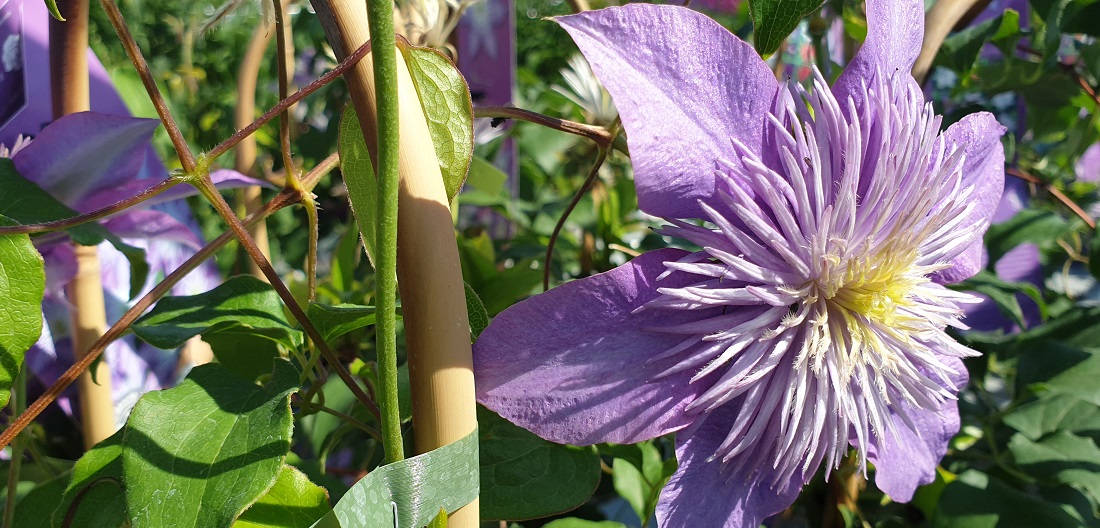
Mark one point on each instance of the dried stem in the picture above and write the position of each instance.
(599, 135)
(121, 205)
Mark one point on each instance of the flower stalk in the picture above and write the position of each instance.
(433, 297)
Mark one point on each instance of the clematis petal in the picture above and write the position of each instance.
(700, 494)
(895, 31)
(983, 170)
(572, 365)
(683, 96)
(909, 461)
(152, 225)
(83, 152)
(223, 179)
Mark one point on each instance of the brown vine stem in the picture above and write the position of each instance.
(588, 181)
(141, 66)
(74, 221)
(116, 330)
(206, 187)
(339, 70)
(598, 134)
(1056, 193)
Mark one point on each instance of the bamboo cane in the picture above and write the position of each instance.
(250, 196)
(429, 275)
(69, 94)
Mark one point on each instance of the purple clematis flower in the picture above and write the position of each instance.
(812, 319)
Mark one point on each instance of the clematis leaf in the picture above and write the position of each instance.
(774, 20)
(1003, 294)
(34, 510)
(293, 502)
(479, 318)
(977, 500)
(179, 474)
(358, 173)
(242, 319)
(34, 206)
(961, 50)
(335, 321)
(95, 495)
(1056, 412)
(1061, 458)
(447, 105)
(1030, 225)
(51, 5)
(525, 477)
(22, 285)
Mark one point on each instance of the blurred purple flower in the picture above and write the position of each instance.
(88, 161)
(814, 317)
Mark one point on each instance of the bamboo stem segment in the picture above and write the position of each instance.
(250, 197)
(429, 275)
(69, 94)
(89, 322)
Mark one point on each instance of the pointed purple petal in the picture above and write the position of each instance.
(909, 461)
(223, 179)
(684, 87)
(1088, 166)
(984, 169)
(895, 31)
(570, 365)
(152, 225)
(701, 494)
(84, 152)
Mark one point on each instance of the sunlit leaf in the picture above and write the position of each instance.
(22, 285)
(774, 20)
(293, 502)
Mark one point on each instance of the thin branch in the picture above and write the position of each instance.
(344, 65)
(1055, 192)
(309, 406)
(57, 225)
(598, 134)
(187, 158)
(206, 187)
(600, 157)
(116, 330)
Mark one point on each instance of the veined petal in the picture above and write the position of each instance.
(571, 364)
(979, 135)
(700, 493)
(82, 152)
(152, 225)
(904, 462)
(895, 31)
(682, 96)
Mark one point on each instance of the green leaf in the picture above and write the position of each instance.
(35, 509)
(201, 453)
(1062, 458)
(446, 100)
(1055, 412)
(1052, 368)
(1030, 225)
(526, 477)
(51, 6)
(638, 474)
(1094, 253)
(293, 502)
(485, 177)
(345, 259)
(774, 20)
(242, 319)
(22, 285)
(573, 522)
(355, 165)
(95, 495)
(976, 500)
(335, 321)
(416, 488)
(1003, 294)
(36, 206)
(479, 318)
(961, 50)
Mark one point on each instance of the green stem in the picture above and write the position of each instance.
(380, 21)
(18, 397)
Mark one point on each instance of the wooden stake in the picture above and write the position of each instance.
(429, 275)
(69, 94)
(245, 112)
